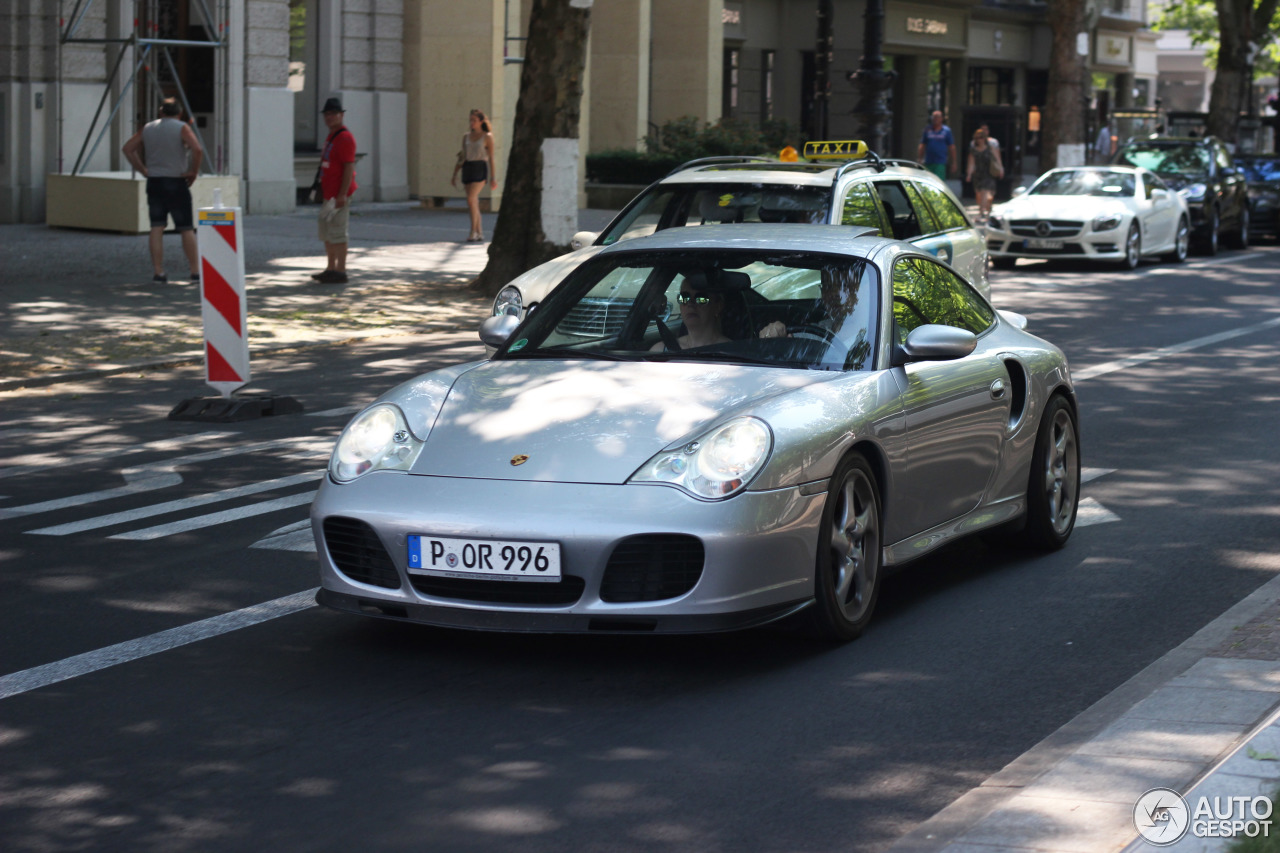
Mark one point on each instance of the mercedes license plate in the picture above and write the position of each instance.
(500, 559)
(1043, 244)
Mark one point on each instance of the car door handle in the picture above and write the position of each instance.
(997, 389)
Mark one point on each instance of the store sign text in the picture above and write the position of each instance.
(928, 26)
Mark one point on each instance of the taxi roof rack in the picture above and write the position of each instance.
(872, 159)
(708, 161)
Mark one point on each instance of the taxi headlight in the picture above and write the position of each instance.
(378, 439)
(508, 301)
(1106, 222)
(715, 466)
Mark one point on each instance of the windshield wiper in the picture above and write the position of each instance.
(593, 355)
(693, 355)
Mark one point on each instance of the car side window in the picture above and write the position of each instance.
(944, 209)
(1148, 188)
(927, 292)
(860, 208)
(898, 208)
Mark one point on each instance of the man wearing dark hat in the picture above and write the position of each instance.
(337, 184)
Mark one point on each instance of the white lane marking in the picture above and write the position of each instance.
(1089, 512)
(161, 474)
(62, 462)
(51, 673)
(213, 518)
(176, 505)
(1165, 352)
(333, 413)
(293, 537)
(159, 481)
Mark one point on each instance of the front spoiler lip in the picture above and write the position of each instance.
(528, 622)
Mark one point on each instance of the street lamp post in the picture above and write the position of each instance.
(871, 112)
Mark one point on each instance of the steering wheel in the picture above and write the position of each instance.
(810, 330)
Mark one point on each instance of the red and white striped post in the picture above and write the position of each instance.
(222, 298)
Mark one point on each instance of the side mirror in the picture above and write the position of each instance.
(1019, 191)
(1159, 195)
(495, 331)
(582, 238)
(936, 343)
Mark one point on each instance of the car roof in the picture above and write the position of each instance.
(837, 239)
(817, 174)
(1119, 167)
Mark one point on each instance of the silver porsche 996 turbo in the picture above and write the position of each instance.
(705, 429)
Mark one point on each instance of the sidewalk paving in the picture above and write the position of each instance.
(1204, 717)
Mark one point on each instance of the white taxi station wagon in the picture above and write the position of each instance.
(839, 183)
(700, 430)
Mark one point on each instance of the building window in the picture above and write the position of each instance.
(732, 60)
(937, 97)
(990, 86)
(766, 85)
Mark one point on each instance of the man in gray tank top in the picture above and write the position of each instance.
(168, 155)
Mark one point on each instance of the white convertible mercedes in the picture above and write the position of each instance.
(1104, 213)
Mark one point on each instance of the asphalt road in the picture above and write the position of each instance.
(319, 731)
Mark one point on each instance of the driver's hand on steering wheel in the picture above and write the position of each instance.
(776, 329)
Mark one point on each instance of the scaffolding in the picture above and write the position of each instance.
(147, 52)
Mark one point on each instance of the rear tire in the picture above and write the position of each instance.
(1053, 489)
(847, 571)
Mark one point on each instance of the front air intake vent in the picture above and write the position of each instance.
(653, 567)
(358, 553)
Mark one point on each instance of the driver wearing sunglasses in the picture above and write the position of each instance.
(700, 311)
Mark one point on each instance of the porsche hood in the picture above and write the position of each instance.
(584, 422)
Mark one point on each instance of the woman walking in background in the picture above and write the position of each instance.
(984, 169)
(475, 161)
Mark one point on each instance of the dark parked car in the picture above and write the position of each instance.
(1262, 171)
(1203, 170)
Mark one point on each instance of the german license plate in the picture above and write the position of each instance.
(499, 559)
(1043, 244)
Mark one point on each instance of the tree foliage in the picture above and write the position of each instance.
(1200, 18)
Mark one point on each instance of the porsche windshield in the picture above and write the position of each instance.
(1091, 182)
(753, 307)
(679, 205)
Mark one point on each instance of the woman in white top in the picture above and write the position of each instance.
(475, 161)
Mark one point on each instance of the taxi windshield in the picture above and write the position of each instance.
(679, 205)
(1091, 182)
(782, 309)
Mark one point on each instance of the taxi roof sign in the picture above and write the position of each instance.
(845, 149)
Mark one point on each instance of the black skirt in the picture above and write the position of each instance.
(474, 171)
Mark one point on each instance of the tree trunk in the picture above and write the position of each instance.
(1240, 26)
(548, 108)
(1062, 119)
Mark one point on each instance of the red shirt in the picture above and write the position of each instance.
(339, 149)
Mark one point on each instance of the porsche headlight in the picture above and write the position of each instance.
(1106, 221)
(1194, 192)
(378, 439)
(715, 466)
(508, 301)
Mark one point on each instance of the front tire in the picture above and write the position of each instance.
(1180, 243)
(1209, 243)
(1053, 490)
(1132, 248)
(847, 572)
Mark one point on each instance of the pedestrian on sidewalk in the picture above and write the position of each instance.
(937, 148)
(475, 161)
(984, 169)
(337, 185)
(167, 153)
